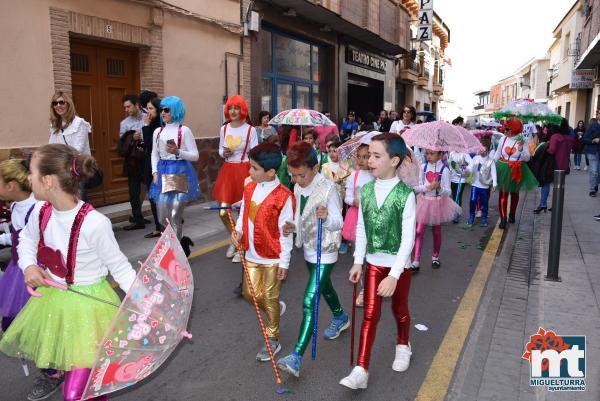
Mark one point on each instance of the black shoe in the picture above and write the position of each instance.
(153, 234)
(134, 227)
(455, 221)
(414, 269)
(593, 194)
(238, 290)
(44, 386)
(540, 209)
(597, 217)
(511, 219)
(502, 224)
(435, 263)
(186, 243)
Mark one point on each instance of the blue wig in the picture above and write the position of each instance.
(394, 145)
(177, 108)
(267, 155)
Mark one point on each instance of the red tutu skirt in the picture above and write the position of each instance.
(229, 187)
(435, 210)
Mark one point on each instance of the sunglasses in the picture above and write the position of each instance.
(59, 102)
(165, 110)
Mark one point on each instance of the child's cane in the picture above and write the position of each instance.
(258, 314)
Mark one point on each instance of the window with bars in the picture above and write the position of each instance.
(79, 63)
(115, 67)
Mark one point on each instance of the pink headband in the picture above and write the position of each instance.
(74, 167)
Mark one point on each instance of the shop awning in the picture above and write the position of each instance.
(322, 15)
(591, 57)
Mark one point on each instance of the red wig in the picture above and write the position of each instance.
(515, 127)
(301, 154)
(236, 100)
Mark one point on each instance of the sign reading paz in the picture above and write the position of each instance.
(425, 31)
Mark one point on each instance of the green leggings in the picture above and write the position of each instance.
(326, 289)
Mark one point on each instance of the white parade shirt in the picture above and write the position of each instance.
(18, 213)
(461, 162)
(236, 142)
(401, 260)
(261, 191)
(474, 169)
(508, 149)
(334, 221)
(187, 151)
(97, 250)
(428, 174)
(364, 176)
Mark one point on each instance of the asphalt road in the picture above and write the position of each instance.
(219, 363)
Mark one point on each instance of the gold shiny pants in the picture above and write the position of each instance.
(266, 288)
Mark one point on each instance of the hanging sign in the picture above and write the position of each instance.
(425, 31)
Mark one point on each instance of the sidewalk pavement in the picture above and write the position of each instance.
(518, 301)
(204, 227)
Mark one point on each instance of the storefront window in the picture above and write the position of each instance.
(267, 56)
(293, 72)
(292, 57)
(284, 97)
(266, 95)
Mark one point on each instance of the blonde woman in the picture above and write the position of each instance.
(67, 128)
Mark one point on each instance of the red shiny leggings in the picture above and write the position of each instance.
(503, 203)
(372, 310)
(437, 241)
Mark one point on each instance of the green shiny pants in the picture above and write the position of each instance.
(326, 289)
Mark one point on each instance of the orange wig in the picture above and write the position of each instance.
(237, 100)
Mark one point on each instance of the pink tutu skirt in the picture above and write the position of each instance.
(435, 210)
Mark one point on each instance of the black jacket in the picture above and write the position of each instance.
(592, 132)
(147, 135)
(542, 164)
(133, 152)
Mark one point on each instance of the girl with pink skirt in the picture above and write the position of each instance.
(434, 205)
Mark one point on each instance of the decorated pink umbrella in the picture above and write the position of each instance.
(348, 149)
(150, 322)
(442, 136)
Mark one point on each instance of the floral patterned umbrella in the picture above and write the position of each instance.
(442, 136)
(301, 117)
(150, 323)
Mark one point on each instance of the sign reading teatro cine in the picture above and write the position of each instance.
(363, 59)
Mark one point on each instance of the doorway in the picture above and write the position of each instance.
(364, 95)
(101, 75)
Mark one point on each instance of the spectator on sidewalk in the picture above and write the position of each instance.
(151, 123)
(264, 130)
(578, 145)
(132, 149)
(67, 128)
(349, 127)
(590, 140)
(409, 115)
(145, 97)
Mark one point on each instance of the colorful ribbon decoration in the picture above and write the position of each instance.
(258, 314)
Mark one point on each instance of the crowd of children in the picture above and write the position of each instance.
(360, 203)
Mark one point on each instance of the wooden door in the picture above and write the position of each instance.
(101, 75)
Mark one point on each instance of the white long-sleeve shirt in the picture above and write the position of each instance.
(364, 176)
(461, 162)
(187, 151)
(97, 250)
(426, 179)
(401, 260)
(75, 134)
(18, 214)
(334, 221)
(236, 142)
(474, 169)
(508, 149)
(398, 126)
(263, 190)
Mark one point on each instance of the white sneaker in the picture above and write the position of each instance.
(478, 213)
(236, 258)
(402, 360)
(358, 378)
(585, 168)
(282, 308)
(230, 251)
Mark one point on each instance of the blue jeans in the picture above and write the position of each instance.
(594, 170)
(577, 159)
(544, 196)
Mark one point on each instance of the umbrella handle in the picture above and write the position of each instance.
(317, 289)
(51, 283)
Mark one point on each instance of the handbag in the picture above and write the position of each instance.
(96, 179)
(351, 220)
